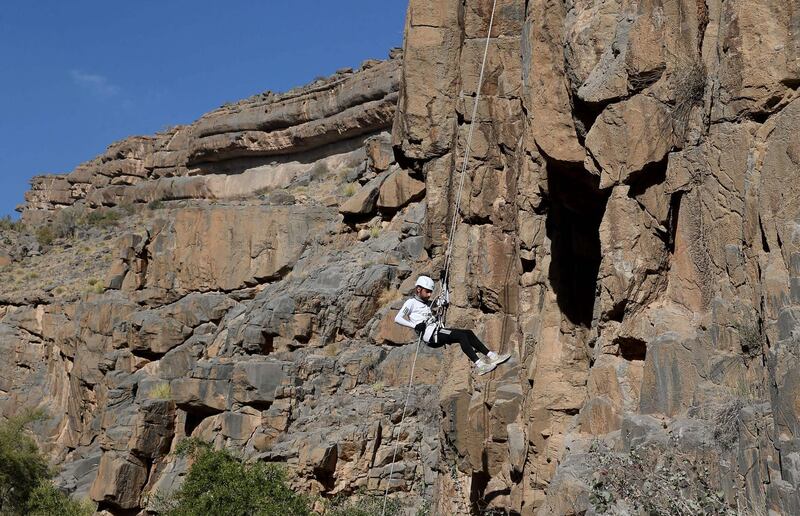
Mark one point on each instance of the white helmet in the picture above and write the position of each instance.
(424, 282)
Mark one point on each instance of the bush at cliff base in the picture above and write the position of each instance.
(219, 483)
(25, 486)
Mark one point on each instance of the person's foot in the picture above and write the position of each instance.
(484, 366)
(496, 359)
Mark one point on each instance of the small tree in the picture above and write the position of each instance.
(25, 486)
(22, 467)
(219, 483)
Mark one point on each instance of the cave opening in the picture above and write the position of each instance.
(632, 349)
(195, 416)
(576, 208)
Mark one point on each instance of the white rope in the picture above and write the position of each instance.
(453, 225)
(467, 150)
(402, 416)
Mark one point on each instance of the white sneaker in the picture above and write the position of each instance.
(484, 366)
(496, 359)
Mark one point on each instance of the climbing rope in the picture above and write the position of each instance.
(467, 150)
(402, 416)
(451, 234)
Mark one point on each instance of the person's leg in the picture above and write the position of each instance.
(449, 336)
(476, 343)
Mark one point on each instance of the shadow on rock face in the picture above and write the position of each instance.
(573, 223)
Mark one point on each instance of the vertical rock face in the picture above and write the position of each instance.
(615, 235)
(627, 230)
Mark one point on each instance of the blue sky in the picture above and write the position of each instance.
(78, 75)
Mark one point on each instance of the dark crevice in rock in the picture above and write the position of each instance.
(759, 116)
(480, 479)
(259, 404)
(408, 163)
(584, 116)
(267, 344)
(617, 312)
(568, 411)
(325, 472)
(105, 505)
(528, 265)
(792, 83)
(672, 220)
(144, 261)
(650, 175)
(195, 416)
(702, 23)
(147, 354)
(632, 349)
(764, 242)
(576, 208)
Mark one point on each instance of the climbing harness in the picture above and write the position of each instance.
(443, 294)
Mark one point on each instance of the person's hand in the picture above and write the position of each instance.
(420, 327)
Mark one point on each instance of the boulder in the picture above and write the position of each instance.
(399, 189)
(363, 202)
(628, 136)
(119, 481)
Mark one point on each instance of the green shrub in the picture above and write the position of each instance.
(64, 225)
(349, 189)
(162, 391)
(25, 486)
(45, 235)
(362, 504)
(102, 218)
(47, 500)
(220, 484)
(22, 467)
(155, 205)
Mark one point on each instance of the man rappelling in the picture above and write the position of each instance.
(416, 313)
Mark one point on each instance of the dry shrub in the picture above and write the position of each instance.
(726, 419)
(162, 391)
(688, 78)
(751, 338)
(653, 479)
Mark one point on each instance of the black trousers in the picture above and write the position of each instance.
(469, 342)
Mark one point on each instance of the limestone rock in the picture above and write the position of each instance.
(398, 190)
(189, 254)
(628, 136)
(119, 481)
(547, 92)
(363, 202)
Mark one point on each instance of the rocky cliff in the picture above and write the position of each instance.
(628, 231)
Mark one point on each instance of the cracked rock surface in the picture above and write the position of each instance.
(628, 232)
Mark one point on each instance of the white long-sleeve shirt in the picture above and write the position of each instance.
(414, 312)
